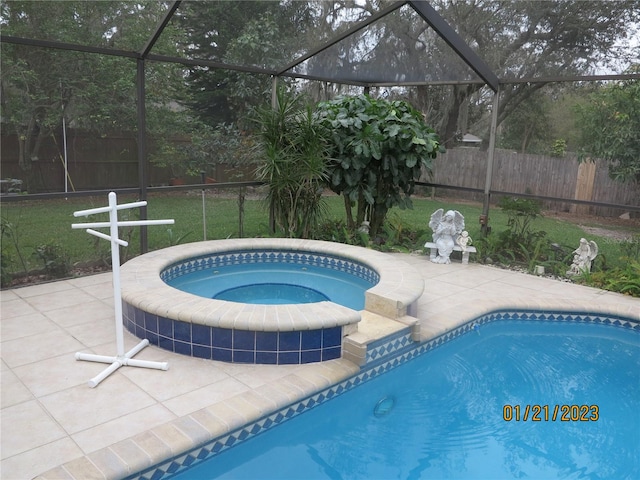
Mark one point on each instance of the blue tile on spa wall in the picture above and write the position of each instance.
(267, 358)
(267, 341)
(165, 327)
(288, 342)
(138, 316)
(139, 331)
(183, 348)
(288, 358)
(131, 319)
(127, 311)
(166, 343)
(201, 334)
(152, 337)
(331, 337)
(222, 337)
(244, 340)
(311, 339)
(201, 351)
(331, 353)
(151, 322)
(244, 356)
(182, 331)
(221, 354)
(309, 356)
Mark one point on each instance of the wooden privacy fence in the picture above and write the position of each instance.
(93, 163)
(537, 175)
(103, 162)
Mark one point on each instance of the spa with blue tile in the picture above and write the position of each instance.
(237, 346)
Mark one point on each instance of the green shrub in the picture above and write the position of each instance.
(631, 248)
(520, 243)
(54, 259)
(520, 238)
(5, 269)
(379, 148)
(9, 232)
(396, 235)
(337, 231)
(624, 278)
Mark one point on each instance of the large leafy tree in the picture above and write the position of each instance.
(379, 149)
(93, 92)
(610, 124)
(527, 129)
(210, 29)
(40, 86)
(244, 34)
(527, 39)
(516, 39)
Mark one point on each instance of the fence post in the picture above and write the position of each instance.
(584, 186)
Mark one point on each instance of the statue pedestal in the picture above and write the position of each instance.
(457, 248)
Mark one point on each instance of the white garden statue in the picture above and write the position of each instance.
(464, 240)
(447, 228)
(583, 256)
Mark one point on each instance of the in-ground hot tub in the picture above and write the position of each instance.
(231, 331)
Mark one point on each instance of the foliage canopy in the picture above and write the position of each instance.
(610, 126)
(379, 149)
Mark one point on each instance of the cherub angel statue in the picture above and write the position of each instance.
(464, 240)
(446, 228)
(583, 256)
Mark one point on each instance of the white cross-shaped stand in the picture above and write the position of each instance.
(121, 357)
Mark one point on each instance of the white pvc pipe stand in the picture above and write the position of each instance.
(121, 358)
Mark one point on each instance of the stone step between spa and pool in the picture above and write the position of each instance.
(379, 338)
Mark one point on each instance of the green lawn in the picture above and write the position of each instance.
(41, 222)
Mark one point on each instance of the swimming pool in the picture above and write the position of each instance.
(458, 410)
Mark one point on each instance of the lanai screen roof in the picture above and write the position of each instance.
(352, 42)
(357, 42)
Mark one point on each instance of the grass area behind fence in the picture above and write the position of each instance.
(34, 224)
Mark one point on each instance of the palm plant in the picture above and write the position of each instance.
(294, 150)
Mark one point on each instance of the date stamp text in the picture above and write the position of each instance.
(550, 413)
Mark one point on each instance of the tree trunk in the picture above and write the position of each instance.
(525, 139)
(362, 210)
(450, 126)
(241, 198)
(348, 211)
(25, 138)
(450, 123)
(378, 214)
(21, 152)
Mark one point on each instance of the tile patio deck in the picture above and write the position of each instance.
(54, 426)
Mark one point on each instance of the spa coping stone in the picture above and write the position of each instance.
(393, 296)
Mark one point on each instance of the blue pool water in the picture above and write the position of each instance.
(451, 413)
(275, 283)
(271, 294)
